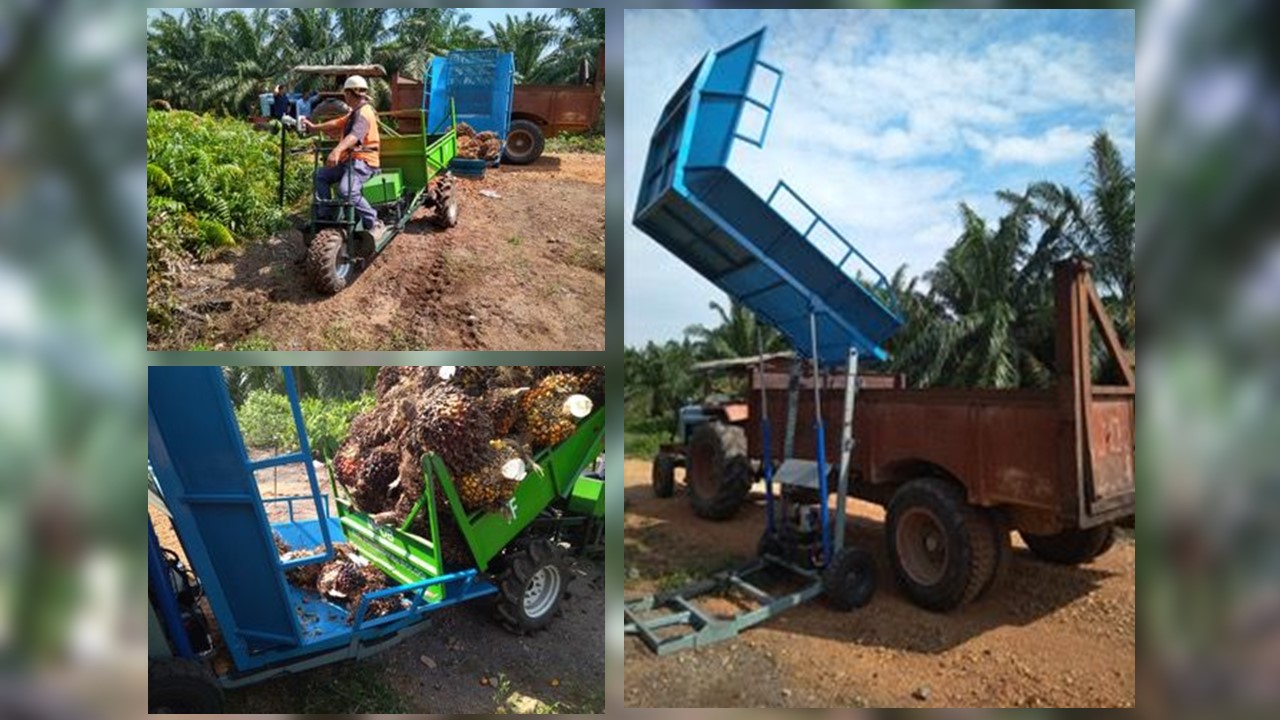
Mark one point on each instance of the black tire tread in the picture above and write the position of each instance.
(972, 540)
(321, 260)
(849, 580)
(735, 476)
(511, 582)
(1072, 546)
(190, 679)
(663, 475)
(535, 152)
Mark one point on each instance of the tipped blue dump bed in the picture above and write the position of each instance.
(696, 207)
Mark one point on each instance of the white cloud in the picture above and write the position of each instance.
(1055, 145)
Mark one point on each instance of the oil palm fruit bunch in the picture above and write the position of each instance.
(339, 579)
(493, 484)
(374, 580)
(455, 427)
(474, 379)
(303, 576)
(346, 463)
(546, 419)
(591, 382)
(378, 471)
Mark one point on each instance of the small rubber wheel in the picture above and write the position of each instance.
(524, 142)
(663, 475)
(532, 587)
(179, 686)
(328, 262)
(1073, 546)
(849, 580)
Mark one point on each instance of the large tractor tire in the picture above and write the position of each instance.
(1073, 546)
(945, 552)
(524, 142)
(717, 473)
(532, 586)
(663, 475)
(328, 263)
(178, 686)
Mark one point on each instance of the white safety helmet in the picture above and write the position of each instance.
(357, 83)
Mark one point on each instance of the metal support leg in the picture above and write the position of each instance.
(793, 405)
(821, 453)
(846, 444)
(766, 439)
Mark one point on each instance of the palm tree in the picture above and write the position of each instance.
(739, 334)
(250, 58)
(528, 39)
(578, 46)
(1101, 226)
(980, 332)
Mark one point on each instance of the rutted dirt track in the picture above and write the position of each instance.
(522, 271)
(1046, 636)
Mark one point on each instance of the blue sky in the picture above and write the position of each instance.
(885, 122)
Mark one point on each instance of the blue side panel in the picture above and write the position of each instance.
(480, 83)
(692, 204)
(199, 459)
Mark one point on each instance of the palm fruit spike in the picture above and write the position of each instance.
(503, 406)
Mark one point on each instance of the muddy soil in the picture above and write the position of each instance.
(1046, 636)
(472, 664)
(522, 271)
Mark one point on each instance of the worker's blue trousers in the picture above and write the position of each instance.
(350, 179)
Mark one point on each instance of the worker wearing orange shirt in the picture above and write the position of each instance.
(355, 158)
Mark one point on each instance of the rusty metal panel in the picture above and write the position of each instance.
(1111, 420)
(1018, 447)
(1000, 443)
(565, 108)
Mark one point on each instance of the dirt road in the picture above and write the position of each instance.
(521, 271)
(472, 664)
(1047, 636)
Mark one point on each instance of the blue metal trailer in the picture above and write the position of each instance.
(792, 269)
(269, 627)
(479, 84)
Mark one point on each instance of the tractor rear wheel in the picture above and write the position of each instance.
(717, 473)
(328, 262)
(524, 142)
(1072, 546)
(532, 586)
(945, 552)
(663, 475)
